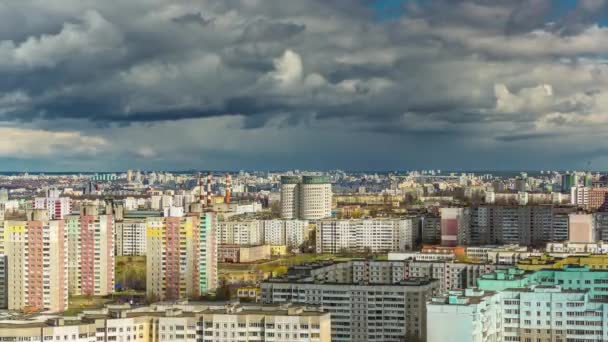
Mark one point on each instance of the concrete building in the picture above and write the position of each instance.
(208, 253)
(185, 322)
(243, 254)
(131, 237)
(308, 198)
(465, 315)
(245, 232)
(360, 310)
(454, 226)
(291, 233)
(36, 255)
(57, 207)
(290, 195)
(581, 228)
(172, 256)
(579, 195)
(3, 282)
(513, 305)
(431, 229)
(91, 252)
(373, 235)
(597, 197)
(574, 248)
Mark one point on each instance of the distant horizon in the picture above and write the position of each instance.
(303, 171)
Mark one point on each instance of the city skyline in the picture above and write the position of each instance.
(361, 85)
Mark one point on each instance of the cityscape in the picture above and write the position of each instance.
(303, 171)
(304, 255)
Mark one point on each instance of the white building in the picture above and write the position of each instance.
(131, 237)
(373, 235)
(250, 232)
(308, 199)
(453, 314)
(291, 233)
(56, 207)
(579, 195)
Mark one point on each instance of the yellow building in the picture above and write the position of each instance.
(595, 262)
(278, 250)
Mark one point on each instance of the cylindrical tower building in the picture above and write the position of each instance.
(315, 198)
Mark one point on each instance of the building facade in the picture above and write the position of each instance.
(36, 255)
(306, 198)
(366, 235)
(172, 257)
(91, 252)
(131, 237)
(360, 312)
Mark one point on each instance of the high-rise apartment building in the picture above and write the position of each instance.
(91, 252)
(242, 232)
(372, 235)
(290, 194)
(290, 233)
(581, 227)
(308, 198)
(3, 282)
(454, 226)
(208, 253)
(173, 255)
(36, 255)
(131, 237)
(431, 229)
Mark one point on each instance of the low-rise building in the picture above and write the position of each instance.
(184, 322)
(243, 254)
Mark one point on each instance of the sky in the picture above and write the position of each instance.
(90, 85)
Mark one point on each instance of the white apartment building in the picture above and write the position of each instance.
(291, 233)
(131, 237)
(579, 195)
(250, 232)
(179, 322)
(374, 235)
(533, 313)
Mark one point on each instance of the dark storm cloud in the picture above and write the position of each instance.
(497, 71)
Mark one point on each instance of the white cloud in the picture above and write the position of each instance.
(91, 37)
(30, 143)
(288, 68)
